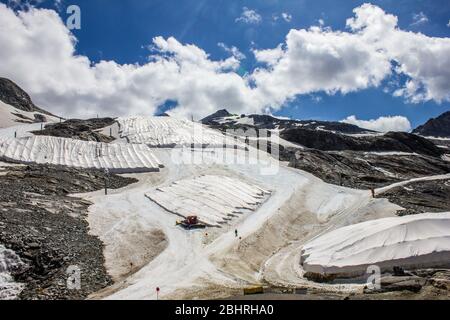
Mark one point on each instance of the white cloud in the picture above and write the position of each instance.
(249, 16)
(269, 56)
(419, 18)
(235, 52)
(382, 124)
(320, 59)
(286, 16)
(316, 60)
(38, 52)
(424, 60)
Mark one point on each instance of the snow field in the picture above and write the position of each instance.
(166, 132)
(416, 241)
(119, 158)
(216, 200)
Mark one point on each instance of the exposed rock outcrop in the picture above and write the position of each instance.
(389, 142)
(12, 94)
(86, 130)
(437, 127)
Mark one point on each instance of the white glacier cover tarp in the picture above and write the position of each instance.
(80, 154)
(414, 241)
(171, 132)
(214, 199)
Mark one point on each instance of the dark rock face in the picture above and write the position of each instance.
(48, 230)
(79, 129)
(12, 94)
(391, 141)
(219, 114)
(421, 197)
(362, 170)
(430, 283)
(437, 127)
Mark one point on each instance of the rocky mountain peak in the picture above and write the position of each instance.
(218, 114)
(437, 127)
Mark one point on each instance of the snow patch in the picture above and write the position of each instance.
(9, 116)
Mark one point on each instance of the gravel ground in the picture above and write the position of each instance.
(46, 227)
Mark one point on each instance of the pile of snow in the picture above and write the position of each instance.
(417, 241)
(10, 116)
(170, 132)
(119, 158)
(214, 199)
(9, 262)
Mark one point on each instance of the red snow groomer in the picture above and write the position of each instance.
(191, 222)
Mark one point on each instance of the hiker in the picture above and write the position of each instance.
(372, 190)
(236, 233)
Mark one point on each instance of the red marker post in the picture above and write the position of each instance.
(157, 293)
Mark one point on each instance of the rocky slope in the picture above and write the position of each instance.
(47, 228)
(363, 170)
(12, 94)
(223, 120)
(16, 106)
(86, 130)
(420, 197)
(389, 142)
(437, 127)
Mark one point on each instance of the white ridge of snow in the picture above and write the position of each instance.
(214, 199)
(402, 183)
(9, 290)
(392, 153)
(416, 241)
(436, 138)
(118, 158)
(167, 132)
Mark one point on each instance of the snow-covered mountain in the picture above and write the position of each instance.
(222, 119)
(260, 208)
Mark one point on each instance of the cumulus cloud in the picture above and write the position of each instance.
(249, 16)
(419, 18)
(316, 60)
(382, 124)
(320, 59)
(38, 52)
(425, 61)
(235, 52)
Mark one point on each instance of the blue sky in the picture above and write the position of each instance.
(121, 30)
